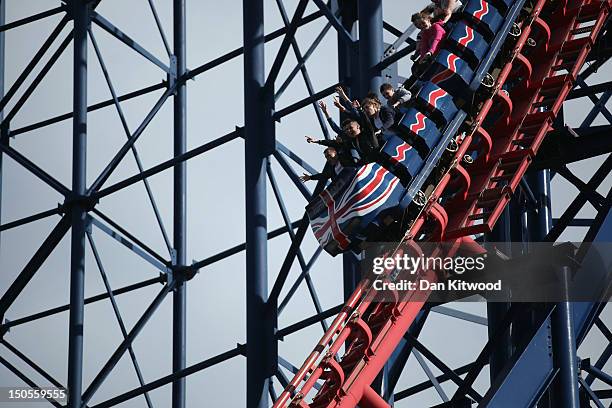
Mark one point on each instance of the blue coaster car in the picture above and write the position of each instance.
(484, 16)
(451, 73)
(418, 125)
(405, 161)
(469, 42)
(401, 157)
(340, 214)
(365, 203)
(439, 103)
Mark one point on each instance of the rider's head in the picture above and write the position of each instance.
(387, 91)
(422, 21)
(352, 128)
(371, 106)
(331, 155)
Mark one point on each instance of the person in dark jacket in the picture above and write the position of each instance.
(346, 156)
(363, 137)
(332, 169)
(360, 140)
(381, 117)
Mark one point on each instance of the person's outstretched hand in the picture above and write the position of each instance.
(341, 92)
(338, 105)
(305, 177)
(310, 139)
(323, 107)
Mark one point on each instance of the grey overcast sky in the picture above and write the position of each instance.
(216, 318)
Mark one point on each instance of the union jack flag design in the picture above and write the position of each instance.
(341, 212)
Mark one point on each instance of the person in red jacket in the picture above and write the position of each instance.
(432, 34)
(429, 40)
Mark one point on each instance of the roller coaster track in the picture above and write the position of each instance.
(507, 133)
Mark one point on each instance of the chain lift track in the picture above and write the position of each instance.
(505, 135)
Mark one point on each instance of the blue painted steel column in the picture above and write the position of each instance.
(2, 70)
(564, 348)
(348, 61)
(259, 142)
(370, 53)
(501, 235)
(78, 213)
(360, 80)
(518, 232)
(179, 304)
(348, 76)
(564, 335)
(540, 185)
(370, 44)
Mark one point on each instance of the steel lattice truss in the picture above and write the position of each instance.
(362, 60)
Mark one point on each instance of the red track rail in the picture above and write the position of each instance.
(506, 149)
(528, 114)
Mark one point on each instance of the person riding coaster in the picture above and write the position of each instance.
(429, 40)
(442, 9)
(385, 124)
(369, 202)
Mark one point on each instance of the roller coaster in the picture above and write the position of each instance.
(561, 35)
(489, 107)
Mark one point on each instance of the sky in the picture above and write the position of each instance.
(216, 306)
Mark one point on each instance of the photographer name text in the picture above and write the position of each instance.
(451, 284)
